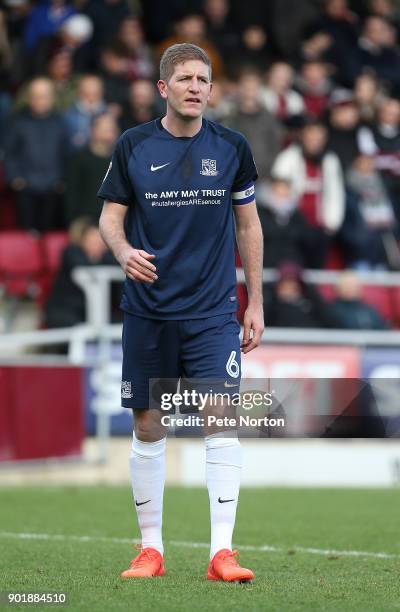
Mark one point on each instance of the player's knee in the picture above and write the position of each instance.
(147, 435)
(147, 427)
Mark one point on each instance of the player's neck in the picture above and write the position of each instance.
(178, 127)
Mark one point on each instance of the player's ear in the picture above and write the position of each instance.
(162, 86)
(209, 93)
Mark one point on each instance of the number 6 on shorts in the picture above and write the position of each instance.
(232, 366)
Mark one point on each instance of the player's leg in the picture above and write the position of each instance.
(145, 344)
(213, 353)
(147, 468)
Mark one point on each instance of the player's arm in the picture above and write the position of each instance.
(250, 242)
(136, 263)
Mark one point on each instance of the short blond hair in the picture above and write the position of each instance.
(177, 54)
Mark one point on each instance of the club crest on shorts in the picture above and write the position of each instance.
(209, 167)
(126, 389)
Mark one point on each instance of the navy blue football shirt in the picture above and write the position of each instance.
(180, 193)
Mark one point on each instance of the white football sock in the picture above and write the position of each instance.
(147, 466)
(223, 467)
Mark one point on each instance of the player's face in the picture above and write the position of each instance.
(188, 90)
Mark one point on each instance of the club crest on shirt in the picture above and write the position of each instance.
(209, 167)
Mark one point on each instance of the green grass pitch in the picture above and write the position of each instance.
(287, 578)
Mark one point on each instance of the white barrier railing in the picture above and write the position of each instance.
(76, 337)
(96, 283)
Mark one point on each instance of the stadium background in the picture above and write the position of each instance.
(332, 67)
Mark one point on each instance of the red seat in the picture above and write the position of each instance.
(53, 245)
(20, 263)
(396, 304)
(379, 298)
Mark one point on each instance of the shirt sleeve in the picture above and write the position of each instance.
(243, 185)
(116, 185)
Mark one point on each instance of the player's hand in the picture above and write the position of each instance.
(253, 327)
(137, 265)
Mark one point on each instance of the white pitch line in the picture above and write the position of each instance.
(184, 544)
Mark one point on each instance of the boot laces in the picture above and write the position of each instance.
(231, 557)
(143, 557)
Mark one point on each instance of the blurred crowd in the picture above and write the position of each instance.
(314, 85)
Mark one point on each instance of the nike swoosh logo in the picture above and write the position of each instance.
(154, 168)
(228, 385)
(142, 503)
(223, 501)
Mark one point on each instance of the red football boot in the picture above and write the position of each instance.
(147, 564)
(224, 566)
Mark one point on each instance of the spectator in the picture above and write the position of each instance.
(333, 36)
(221, 103)
(16, 15)
(160, 17)
(278, 96)
(287, 235)
(316, 48)
(126, 58)
(131, 51)
(368, 96)
(377, 49)
(106, 17)
(317, 180)
(253, 52)
(88, 166)
(66, 303)
(388, 9)
(88, 104)
(60, 70)
(377, 230)
(383, 141)
(45, 20)
(191, 27)
(220, 29)
(35, 157)
(350, 311)
(344, 120)
(315, 87)
(291, 302)
(142, 105)
(256, 123)
(73, 37)
(338, 21)
(287, 32)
